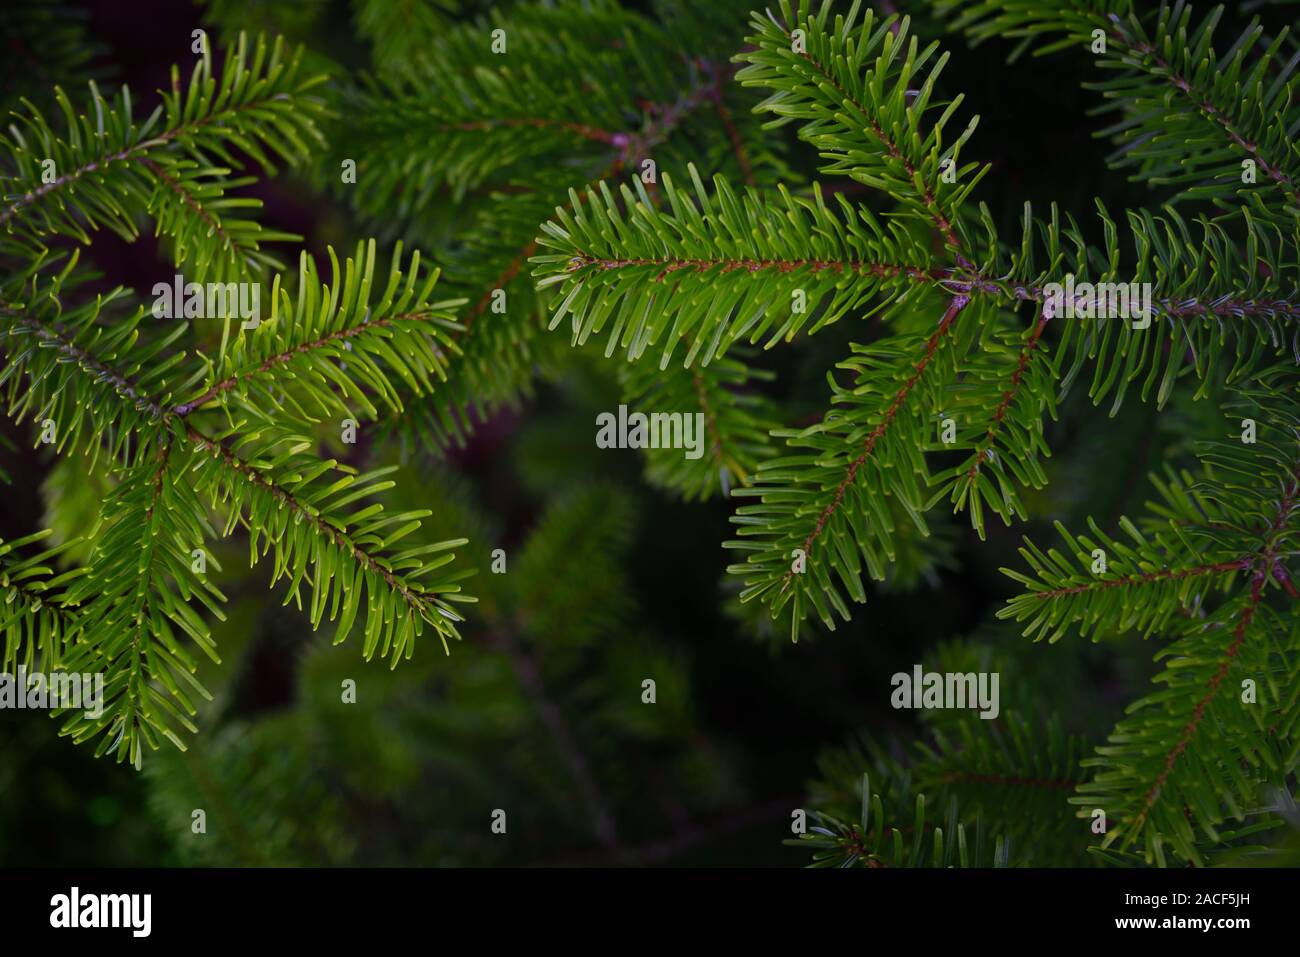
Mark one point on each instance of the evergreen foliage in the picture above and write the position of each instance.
(707, 269)
(188, 439)
(615, 207)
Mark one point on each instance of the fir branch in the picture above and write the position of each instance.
(327, 349)
(399, 604)
(259, 105)
(1239, 101)
(1176, 747)
(137, 594)
(351, 554)
(818, 83)
(862, 454)
(955, 307)
(875, 841)
(36, 618)
(189, 208)
(735, 418)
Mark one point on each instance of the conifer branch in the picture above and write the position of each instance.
(423, 603)
(1240, 100)
(1163, 757)
(36, 619)
(955, 307)
(137, 589)
(106, 168)
(850, 117)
